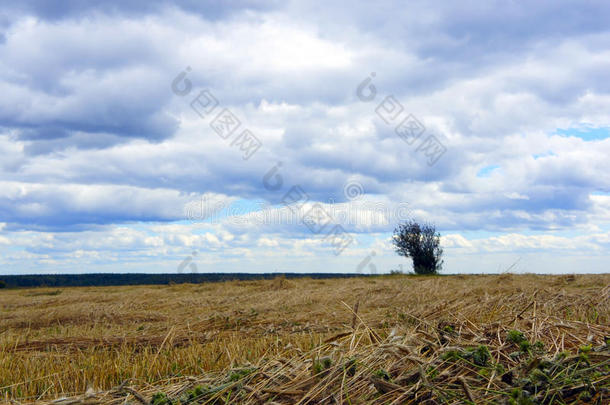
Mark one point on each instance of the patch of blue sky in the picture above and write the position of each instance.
(211, 212)
(586, 132)
(565, 233)
(602, 193)
(487, 170)
(543, 155)
(366, 239)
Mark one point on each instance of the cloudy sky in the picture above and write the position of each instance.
(139, 136)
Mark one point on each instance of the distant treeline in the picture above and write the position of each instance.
(116, 279)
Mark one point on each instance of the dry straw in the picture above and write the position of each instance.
(452, 340)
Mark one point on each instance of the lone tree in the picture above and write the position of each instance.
(420, 243)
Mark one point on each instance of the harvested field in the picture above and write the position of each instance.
(388, 339)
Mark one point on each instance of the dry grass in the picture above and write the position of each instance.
(380, 340)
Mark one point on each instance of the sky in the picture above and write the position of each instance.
(293, 136)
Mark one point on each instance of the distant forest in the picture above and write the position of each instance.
(116, 279)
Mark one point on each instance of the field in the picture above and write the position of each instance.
(388, 339)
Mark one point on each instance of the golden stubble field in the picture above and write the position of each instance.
(385, 339)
